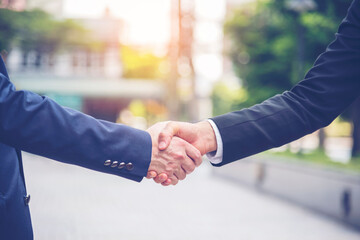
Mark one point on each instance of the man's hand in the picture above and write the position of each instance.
(201, 135)
(179, 158)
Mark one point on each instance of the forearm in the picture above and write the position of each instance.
(38, 125)
(331, 85)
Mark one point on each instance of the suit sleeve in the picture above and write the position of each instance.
(331, 85)
(38, 125)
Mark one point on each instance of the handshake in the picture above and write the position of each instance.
(177, 149)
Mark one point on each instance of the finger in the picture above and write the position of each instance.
(167, 182)
(180, 174)
(188, 166)
(151, 174)
(166, 135)
(174, 181)
(194, 154)
(161, 178)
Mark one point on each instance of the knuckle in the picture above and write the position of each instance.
(181, 156)
(178, 156)
(170, 173)
(169, 170)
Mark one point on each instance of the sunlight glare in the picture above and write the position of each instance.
(147, 22)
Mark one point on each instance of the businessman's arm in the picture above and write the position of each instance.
(330, 86)
(38, 125)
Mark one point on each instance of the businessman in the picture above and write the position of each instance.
(331, 85)
(36, 124)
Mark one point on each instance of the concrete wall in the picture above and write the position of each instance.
(329, 191)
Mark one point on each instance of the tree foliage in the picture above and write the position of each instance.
(265, 41)
(36, 30)
(265, 47)
(9, 28)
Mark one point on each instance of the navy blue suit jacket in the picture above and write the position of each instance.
(36, 124)
(331, 85)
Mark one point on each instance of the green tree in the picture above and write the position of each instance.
(36, 30)
(41, 33)
(265, 45)
(9, 29)
(225, 98)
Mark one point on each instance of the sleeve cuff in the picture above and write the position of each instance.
(216, 157)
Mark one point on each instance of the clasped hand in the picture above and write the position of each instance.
(177, 149)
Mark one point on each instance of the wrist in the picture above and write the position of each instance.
(207, 133)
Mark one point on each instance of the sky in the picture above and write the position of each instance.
(148, 21)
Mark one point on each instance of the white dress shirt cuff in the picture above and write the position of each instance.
(216, 157)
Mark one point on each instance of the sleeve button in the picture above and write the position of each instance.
(107, 162)
(27, 200)
(129, 166)
(114, 164)
(121, 165)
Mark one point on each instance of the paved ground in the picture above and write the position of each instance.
(73, 203)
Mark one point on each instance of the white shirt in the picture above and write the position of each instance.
(216, 157)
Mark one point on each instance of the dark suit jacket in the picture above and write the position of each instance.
(329, 87)
(38, 125)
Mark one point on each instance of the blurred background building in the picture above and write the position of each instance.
(66, 57)
(74, 59)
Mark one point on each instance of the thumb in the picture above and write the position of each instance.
(167, 134)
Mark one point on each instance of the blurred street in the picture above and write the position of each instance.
(69, 202)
